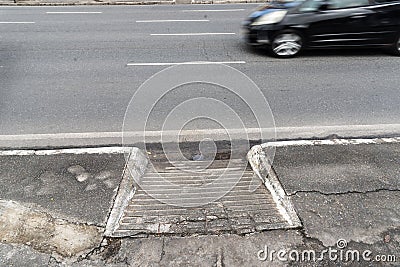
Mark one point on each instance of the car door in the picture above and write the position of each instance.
(342, 23)
(385, 23)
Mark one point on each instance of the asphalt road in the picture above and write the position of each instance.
(69, 72)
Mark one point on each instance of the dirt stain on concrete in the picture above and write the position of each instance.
(22, 225)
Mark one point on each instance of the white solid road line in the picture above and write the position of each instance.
(173, 20)
(192, 34)
(213, 10)
(17, 22)
(74, 12)
(185, 63)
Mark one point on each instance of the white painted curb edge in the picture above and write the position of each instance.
(260, 165)
(76, 151)
(86, 139)
(134, 169)
(330, 142)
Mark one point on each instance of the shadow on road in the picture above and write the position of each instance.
(360, 52)
(346, 52)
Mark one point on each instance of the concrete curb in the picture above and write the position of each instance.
(98, 139)
(263, 169)
(135, 167)
(332, 142)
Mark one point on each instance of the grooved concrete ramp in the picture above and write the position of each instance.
(146, 209)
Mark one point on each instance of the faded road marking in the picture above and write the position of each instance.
(185, 63)
(192, 34)
(213, 10)
(173, 20)
(74, 12)
(17, 22)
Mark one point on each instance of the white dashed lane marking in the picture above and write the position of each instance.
(74, 12)
(185, 63)
(213, 10)
(172, 20)
(17, 22)
(192, 34)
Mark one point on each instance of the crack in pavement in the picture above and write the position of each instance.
(295, 193)
(204, 50)
(162, 250)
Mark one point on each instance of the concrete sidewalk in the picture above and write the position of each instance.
(346, 196)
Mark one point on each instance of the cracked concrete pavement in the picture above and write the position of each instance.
(348, 193)
(77, 188)
(339, 169)
(25, 226)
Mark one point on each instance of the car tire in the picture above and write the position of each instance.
(395, 49)
(286, 44)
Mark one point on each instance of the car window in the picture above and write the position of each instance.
(337, 4)
(314, 5)
(387, 1)
(310, 5)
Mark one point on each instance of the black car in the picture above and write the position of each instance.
(327, 24)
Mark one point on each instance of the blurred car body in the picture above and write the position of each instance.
(273, 6)
(326, 24)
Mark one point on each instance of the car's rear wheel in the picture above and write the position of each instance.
(396, 46)
(286, 44)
